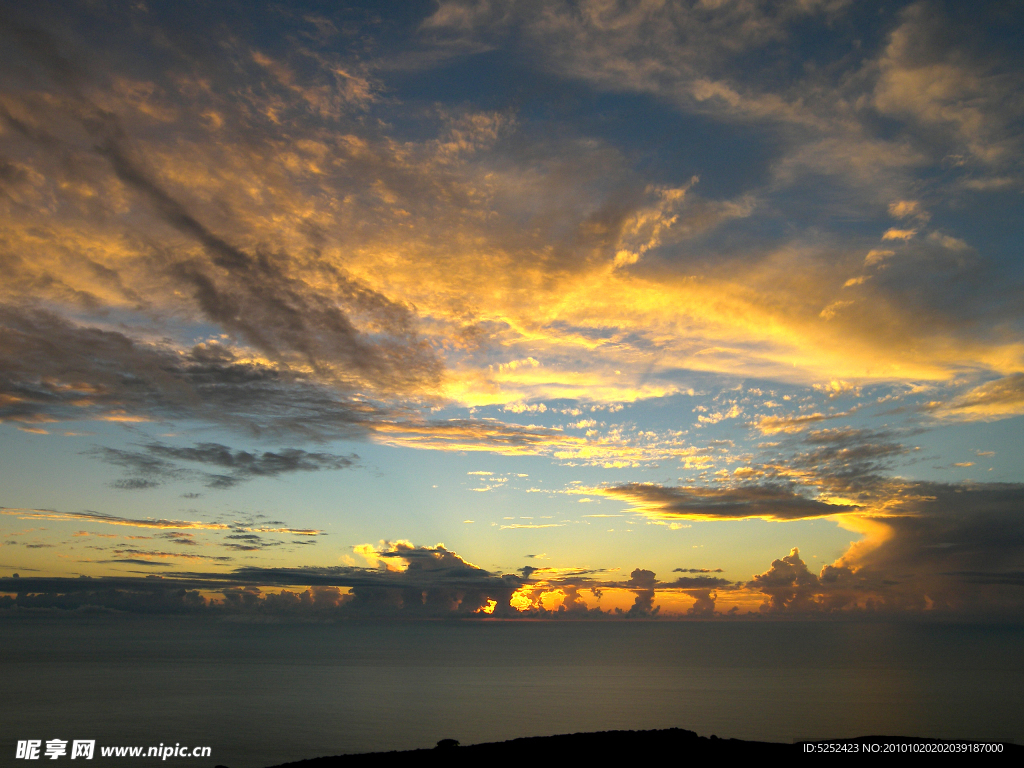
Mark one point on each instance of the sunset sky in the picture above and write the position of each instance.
(449, 307)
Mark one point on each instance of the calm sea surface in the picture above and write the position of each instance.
(261, 694)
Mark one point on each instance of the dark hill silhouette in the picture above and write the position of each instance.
(608, 745)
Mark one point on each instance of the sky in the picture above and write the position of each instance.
(513, 309)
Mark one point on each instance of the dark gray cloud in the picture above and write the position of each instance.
(955, 548)
(130, 594)
(699, 582)
(642, 582)
(938, 530)
(157, 462)
(153, 553)
(136, 561)
(849, 459)
(1004, 578)
(53, 369)
(135, 484)
(422, 581)
(703, 604)
(771, 502)
(179, 537)
(254, 297)
(789, 586)
(697, 570)
(848, 443)
(146, 471)
(251, 542)
(425, 569)
(243, 463)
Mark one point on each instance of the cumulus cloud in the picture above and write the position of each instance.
(642, 583)
(955, 549)
(415, 580)
(788, 584)
(941, 547)
(927, 538)
(402, 580)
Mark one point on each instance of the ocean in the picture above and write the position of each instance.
(259, 694)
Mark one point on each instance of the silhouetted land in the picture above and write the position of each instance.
(615, 745)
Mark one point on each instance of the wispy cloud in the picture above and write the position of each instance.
(249, 526)
(157, 462)
(998, 399)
